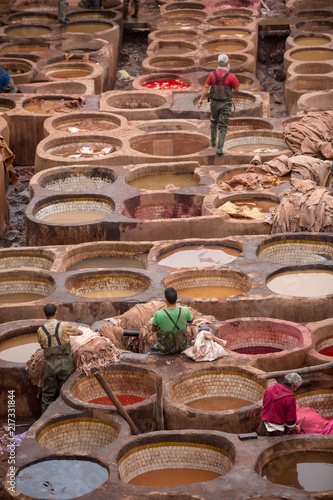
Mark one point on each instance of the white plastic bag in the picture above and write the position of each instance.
(206, 347)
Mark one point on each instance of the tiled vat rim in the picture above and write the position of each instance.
(321, 400)
(173, 455)
(79, 143)
(271, 339)
(26, 284)
(286, 251)
(78, 434)
(25, 260)
(325, 342)
(71, 204)
(217, 383)
(253, 139)
(77, 182)
(204, 279)
(116, 281)
(141, 384)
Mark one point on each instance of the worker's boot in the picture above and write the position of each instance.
(136, 11)
(213, 132)
(125, 12)
(220, 144)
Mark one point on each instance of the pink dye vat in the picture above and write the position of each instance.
(125, 399)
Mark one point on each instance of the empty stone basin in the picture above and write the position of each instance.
(173, 48)
(87, 27)
(230, 20)
(136, 100)
(181, 23)
(28, 30)
(25, 48)
(168, 62)
(173, 459)
(305, 464)
(157, 206)
(310, 68)
(24, 287)
(210, 284)
(175, 34)
(72, 209)
(315, 100)
(295, 250)
(108, 285)
(19, 349)
(78, 435)
(159, 177)
(305, 282)
(69, 70)
(83, 122)
(227, 45)
(50, 105)
(319, 399)
(197, 255)
(236, 4)
(310, 54)
(311, 40)
(60, 88)
(79, 476)
(255, 142)
(228, 32)
(248, 179)
(76, 179)
(33, 18)
(170, 144)
(94, 15)
(315, 26)
(78, 147)
(15, 258)
(137, 384)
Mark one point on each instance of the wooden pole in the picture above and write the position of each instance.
(159, 405)
(115, 401)
(265, 5)
(301, 371)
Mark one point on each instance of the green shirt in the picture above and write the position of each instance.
(165, 324)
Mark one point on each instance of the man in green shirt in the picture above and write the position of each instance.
(170, 324)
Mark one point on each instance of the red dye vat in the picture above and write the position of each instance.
(166, 84)
(328, 351)
(125, 399)
(257, 349)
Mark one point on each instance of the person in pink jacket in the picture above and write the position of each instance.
(278, 415)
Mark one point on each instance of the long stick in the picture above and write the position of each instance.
(115, 401)
(159, 405)
(265, 6)
(307, 369)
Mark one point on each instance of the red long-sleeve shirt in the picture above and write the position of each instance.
(279, 406)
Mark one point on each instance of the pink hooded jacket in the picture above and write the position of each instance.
(279, 406)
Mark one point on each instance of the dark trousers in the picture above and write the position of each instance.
(264, 432)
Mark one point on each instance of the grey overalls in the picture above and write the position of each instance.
(170, 342)
(220, 109)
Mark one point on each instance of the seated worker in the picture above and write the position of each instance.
(278, 413)
(53, 337)
(6, 82)
(170, 325)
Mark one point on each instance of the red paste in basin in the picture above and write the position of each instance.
(166, 84)
(125, 399)
(328, 351)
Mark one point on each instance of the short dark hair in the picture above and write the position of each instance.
(50, 310)
(171, 295)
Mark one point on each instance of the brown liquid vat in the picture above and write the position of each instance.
(155, 64)
(196, 452)
(21, 70)
(226, 381)
(67, 87)
(315, 101)
(169, 172)
(231, 20)
(32, 18)
(33, 46)
(137, 105)
(309, 281)
(79, 70)
(96, 15)
(106, 30)
(181, 13)
(27, 30)
(239, 63)
(313, 14)
(171, 48)
(181, 23)
(171, 35)
(229, 45)
(80, 122)
(298, 85)
(315, 26)
(243, 147)
(307, 54)
(308, 40)
(294, 341)
(171, 144)
(166, 126)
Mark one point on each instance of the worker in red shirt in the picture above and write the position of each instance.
(221, 84)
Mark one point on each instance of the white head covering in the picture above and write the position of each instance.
(223, 59)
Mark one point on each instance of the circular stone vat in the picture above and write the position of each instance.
(156, 206)
(19, 349)
(92, 15)
(305, 464)
(315, 26)
(230, 20)
(248, 179)
(87, 27)
(75, 179)
(83, 122)
(6, 105)
(238, 62)
(174, 34)
(24, 287)
(75, 435)
(15, 258)
(33, 18)
(134, 386)
(136, 100)
(27, 30)
(62, 88)
(48, 105)
(25, 48)
(102, 257)
(228, 32)
(311, 54)
(325, 347)
(184, 5)
(311, 40)
(79, 147)
(247, 207)
(313, 14)
(79, 476)
(304, 282)
(197, 255)
(310, 68)
(235, 4)
(255, 143)
(171, 459)
(36, 5)
(226, 45)
(108, 285)
(159, 180)
(172, 48)
(210, 284)
(20, 70)
(181, 23)
(170, 144)
(321, 400)
(69, 70)
(167, 62)
(74, 209)
(296, 250)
